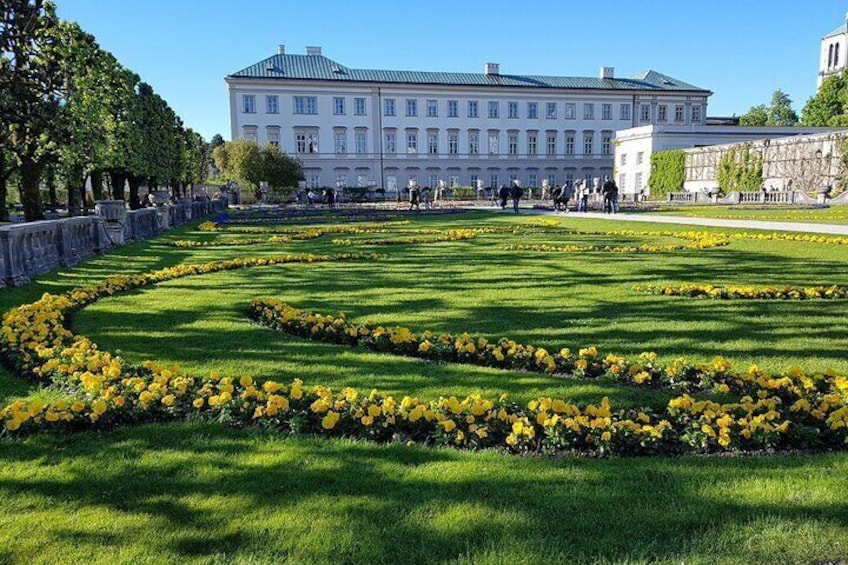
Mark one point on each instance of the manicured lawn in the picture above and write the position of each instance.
(201, 492)
(829, 215)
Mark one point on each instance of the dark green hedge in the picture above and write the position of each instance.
(668, 171)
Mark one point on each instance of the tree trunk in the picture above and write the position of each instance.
(75, 181)
(30, 194)
(97, 184)
(118, 181)
(50, 181)
(135, 182)
(4, 179)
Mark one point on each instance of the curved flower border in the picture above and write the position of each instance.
(736, 292)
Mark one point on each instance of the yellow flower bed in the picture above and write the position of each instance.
(787, 411)
(700, 240)
(449, 235)
(735, 292)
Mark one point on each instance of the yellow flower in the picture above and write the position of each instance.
(449, 425)
(198, 402)
(99, 407)
(329, 421)
(168, 400)
(246, 381)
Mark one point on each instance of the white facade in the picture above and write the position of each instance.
(833, 57)
(634, 146)
(386, 133)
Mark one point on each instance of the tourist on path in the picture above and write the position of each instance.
(504, 195)
(516, 192)
(582, 192)
(566, 195)
(414, 197)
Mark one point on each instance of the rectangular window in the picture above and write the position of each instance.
(411, 107)
(313, 181)
(432, 109)
(361, 142)
(391, 143)
(305, 105)
(473, 179)
(433, 143)
(432, 179)
(588, 111)
(412, 142)
(248, 104)
(493, 180)
(300, 142)
(341, 181)
(570, 111)
(493, 109)
(250, 133)
(389, 107)
(606, 144)
(473, 143)
(453, 143)
(338, 106)
(678, 114)
(454, 181)
(552, 179)
(512, 109)
(493, 143)
(532, 110)
(552, 144)
(550, 110)
(340, 143)
(272, 104)
(472, 109)
(623, 159)
(512, 144)
(532, 144)
(588, 138)
(640, 157)
(622, 181)
(606, 112)
(662, 113)
(645, 115)
(453, 108)
(638, 180)
(569, 178)
(359, 106)
(625, 111)
(274, 138)
(532, 179)
(569, 143)
(696, 114)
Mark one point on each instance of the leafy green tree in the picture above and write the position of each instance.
(241, 160)
(829, 103)
(755, 116)
(280, 171)
(32, 78)
(778, 113)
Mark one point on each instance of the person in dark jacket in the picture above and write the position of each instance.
(606, 193)
(504, 195)
(516, 192)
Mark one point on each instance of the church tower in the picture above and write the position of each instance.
(834, 55)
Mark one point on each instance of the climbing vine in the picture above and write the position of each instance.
(668, 171)
(740, 169)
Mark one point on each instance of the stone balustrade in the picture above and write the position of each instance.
(34, 248)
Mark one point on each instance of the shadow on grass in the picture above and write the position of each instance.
(340, 501)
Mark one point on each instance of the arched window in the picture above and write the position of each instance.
(836, 56)
(830, 56)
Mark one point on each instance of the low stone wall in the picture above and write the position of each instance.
(28, 250)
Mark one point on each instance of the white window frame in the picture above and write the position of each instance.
(411, 107)
(570, 111)
(494, 109)
(359, 107)
(338, 106)
(432, 108)
(340, 143)
(453, 108)
(512, 110)
(473, 109)
(389, 108)
(551, 110)
(361, 139)
(248, 103)
(272, 104)
(606, 111)
(588, 110)
(532, 110)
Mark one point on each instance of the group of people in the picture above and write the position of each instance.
(579, 190)
(327, 196)
(516, 192)
(418, 196)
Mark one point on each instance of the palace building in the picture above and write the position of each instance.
(383, 128)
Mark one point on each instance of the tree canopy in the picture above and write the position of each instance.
(778, 112)
(67, 105)
(243, 160)
(829, 106)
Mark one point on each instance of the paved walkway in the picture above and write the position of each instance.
(834, 229)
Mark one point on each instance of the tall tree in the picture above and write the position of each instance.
(778, 113)
(32, 77)
(241, 160)
(829, 103)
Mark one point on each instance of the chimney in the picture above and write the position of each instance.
(316, 51)
(493, 69)
(281, 49)
(607, 73)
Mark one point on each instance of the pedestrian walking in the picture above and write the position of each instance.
(503, 193)
(414, 197)
(516, 192)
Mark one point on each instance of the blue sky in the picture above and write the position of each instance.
(742, 50)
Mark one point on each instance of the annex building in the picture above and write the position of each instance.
(385, 128)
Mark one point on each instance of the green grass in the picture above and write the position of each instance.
(830, 215)
(202, 493)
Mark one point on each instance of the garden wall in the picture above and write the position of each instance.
(28, 250)
(802, 162)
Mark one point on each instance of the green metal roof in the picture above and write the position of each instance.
(318, 67)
